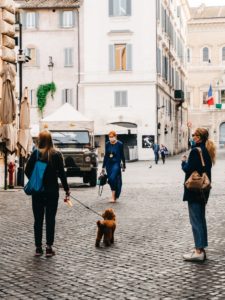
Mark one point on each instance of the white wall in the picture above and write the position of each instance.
(50, 40)
(98, 83)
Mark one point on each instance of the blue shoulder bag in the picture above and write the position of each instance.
(35, 183)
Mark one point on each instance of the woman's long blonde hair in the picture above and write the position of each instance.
(210, 146)
(45, 145)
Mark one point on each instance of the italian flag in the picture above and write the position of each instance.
(210, 100)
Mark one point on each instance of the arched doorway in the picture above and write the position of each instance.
(222, 135)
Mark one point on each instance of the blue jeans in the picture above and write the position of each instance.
(198, 223)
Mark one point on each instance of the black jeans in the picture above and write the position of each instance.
(44, 204)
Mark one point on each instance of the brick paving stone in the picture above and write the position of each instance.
(153, 232)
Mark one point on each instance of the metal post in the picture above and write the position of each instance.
(20, 172)
(5, 162)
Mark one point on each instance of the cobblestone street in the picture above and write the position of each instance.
(153, 232)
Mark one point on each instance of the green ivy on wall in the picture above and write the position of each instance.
(42, 93)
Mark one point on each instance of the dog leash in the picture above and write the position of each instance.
(87, 207)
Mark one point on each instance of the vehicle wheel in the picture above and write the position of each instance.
(93, 178)
(85, 179)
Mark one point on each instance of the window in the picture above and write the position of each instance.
(205, 54)
(68, 57)
(204, 97)
(121, 99)
(223, 54)
(222, 97)
(159, 64)
(188, 55)
(120, 57)
(33, 98)
(31, 20)
(32, 53)
(67, 19)
(67, 96)
(119, 8)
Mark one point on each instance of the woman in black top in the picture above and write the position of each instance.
(46, 203)
(197, 200)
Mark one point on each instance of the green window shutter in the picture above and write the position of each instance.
(129, 57)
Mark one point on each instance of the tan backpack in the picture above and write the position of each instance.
(197, 182)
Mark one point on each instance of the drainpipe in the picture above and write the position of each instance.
(157, 89)
(78, 58)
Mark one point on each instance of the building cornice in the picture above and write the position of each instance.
(113, 83)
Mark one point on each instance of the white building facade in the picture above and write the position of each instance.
(50, 39)
(130, 71)
(206, 65)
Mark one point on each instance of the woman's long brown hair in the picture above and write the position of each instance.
(210, 146)
(45, 145)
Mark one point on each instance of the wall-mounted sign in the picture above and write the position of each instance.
(147, 141)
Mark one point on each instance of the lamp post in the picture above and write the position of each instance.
(50, 64)
(158, 124)
(20, 59)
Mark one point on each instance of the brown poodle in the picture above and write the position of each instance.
(106, 228)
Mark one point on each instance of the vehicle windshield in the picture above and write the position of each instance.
(70, 139)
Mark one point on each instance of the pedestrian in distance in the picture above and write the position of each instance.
(156, 148)
(45, 203)
(197, 200)
(114, 157)
(163, 153)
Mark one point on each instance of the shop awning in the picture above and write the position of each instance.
(104, 130)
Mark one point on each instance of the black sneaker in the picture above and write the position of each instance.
(38, 252)
(49, 252)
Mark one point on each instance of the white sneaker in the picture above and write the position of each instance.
(194, 256)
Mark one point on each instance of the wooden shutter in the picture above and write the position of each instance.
(36, 20)
(123, 99)
(70, 97)
(71, 56)
(110, 3)
(68, 57)
(74, 16)
(159, 65)
(128, 7)
(129, 57)
(37, 54)
(61, 19)
(23, 20)
(63, 96)
(117, 99)
(158, 9)
(112, 65)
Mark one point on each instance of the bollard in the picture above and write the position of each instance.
(11, 170)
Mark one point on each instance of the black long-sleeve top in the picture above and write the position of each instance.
(194, 164)
(54, 170)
